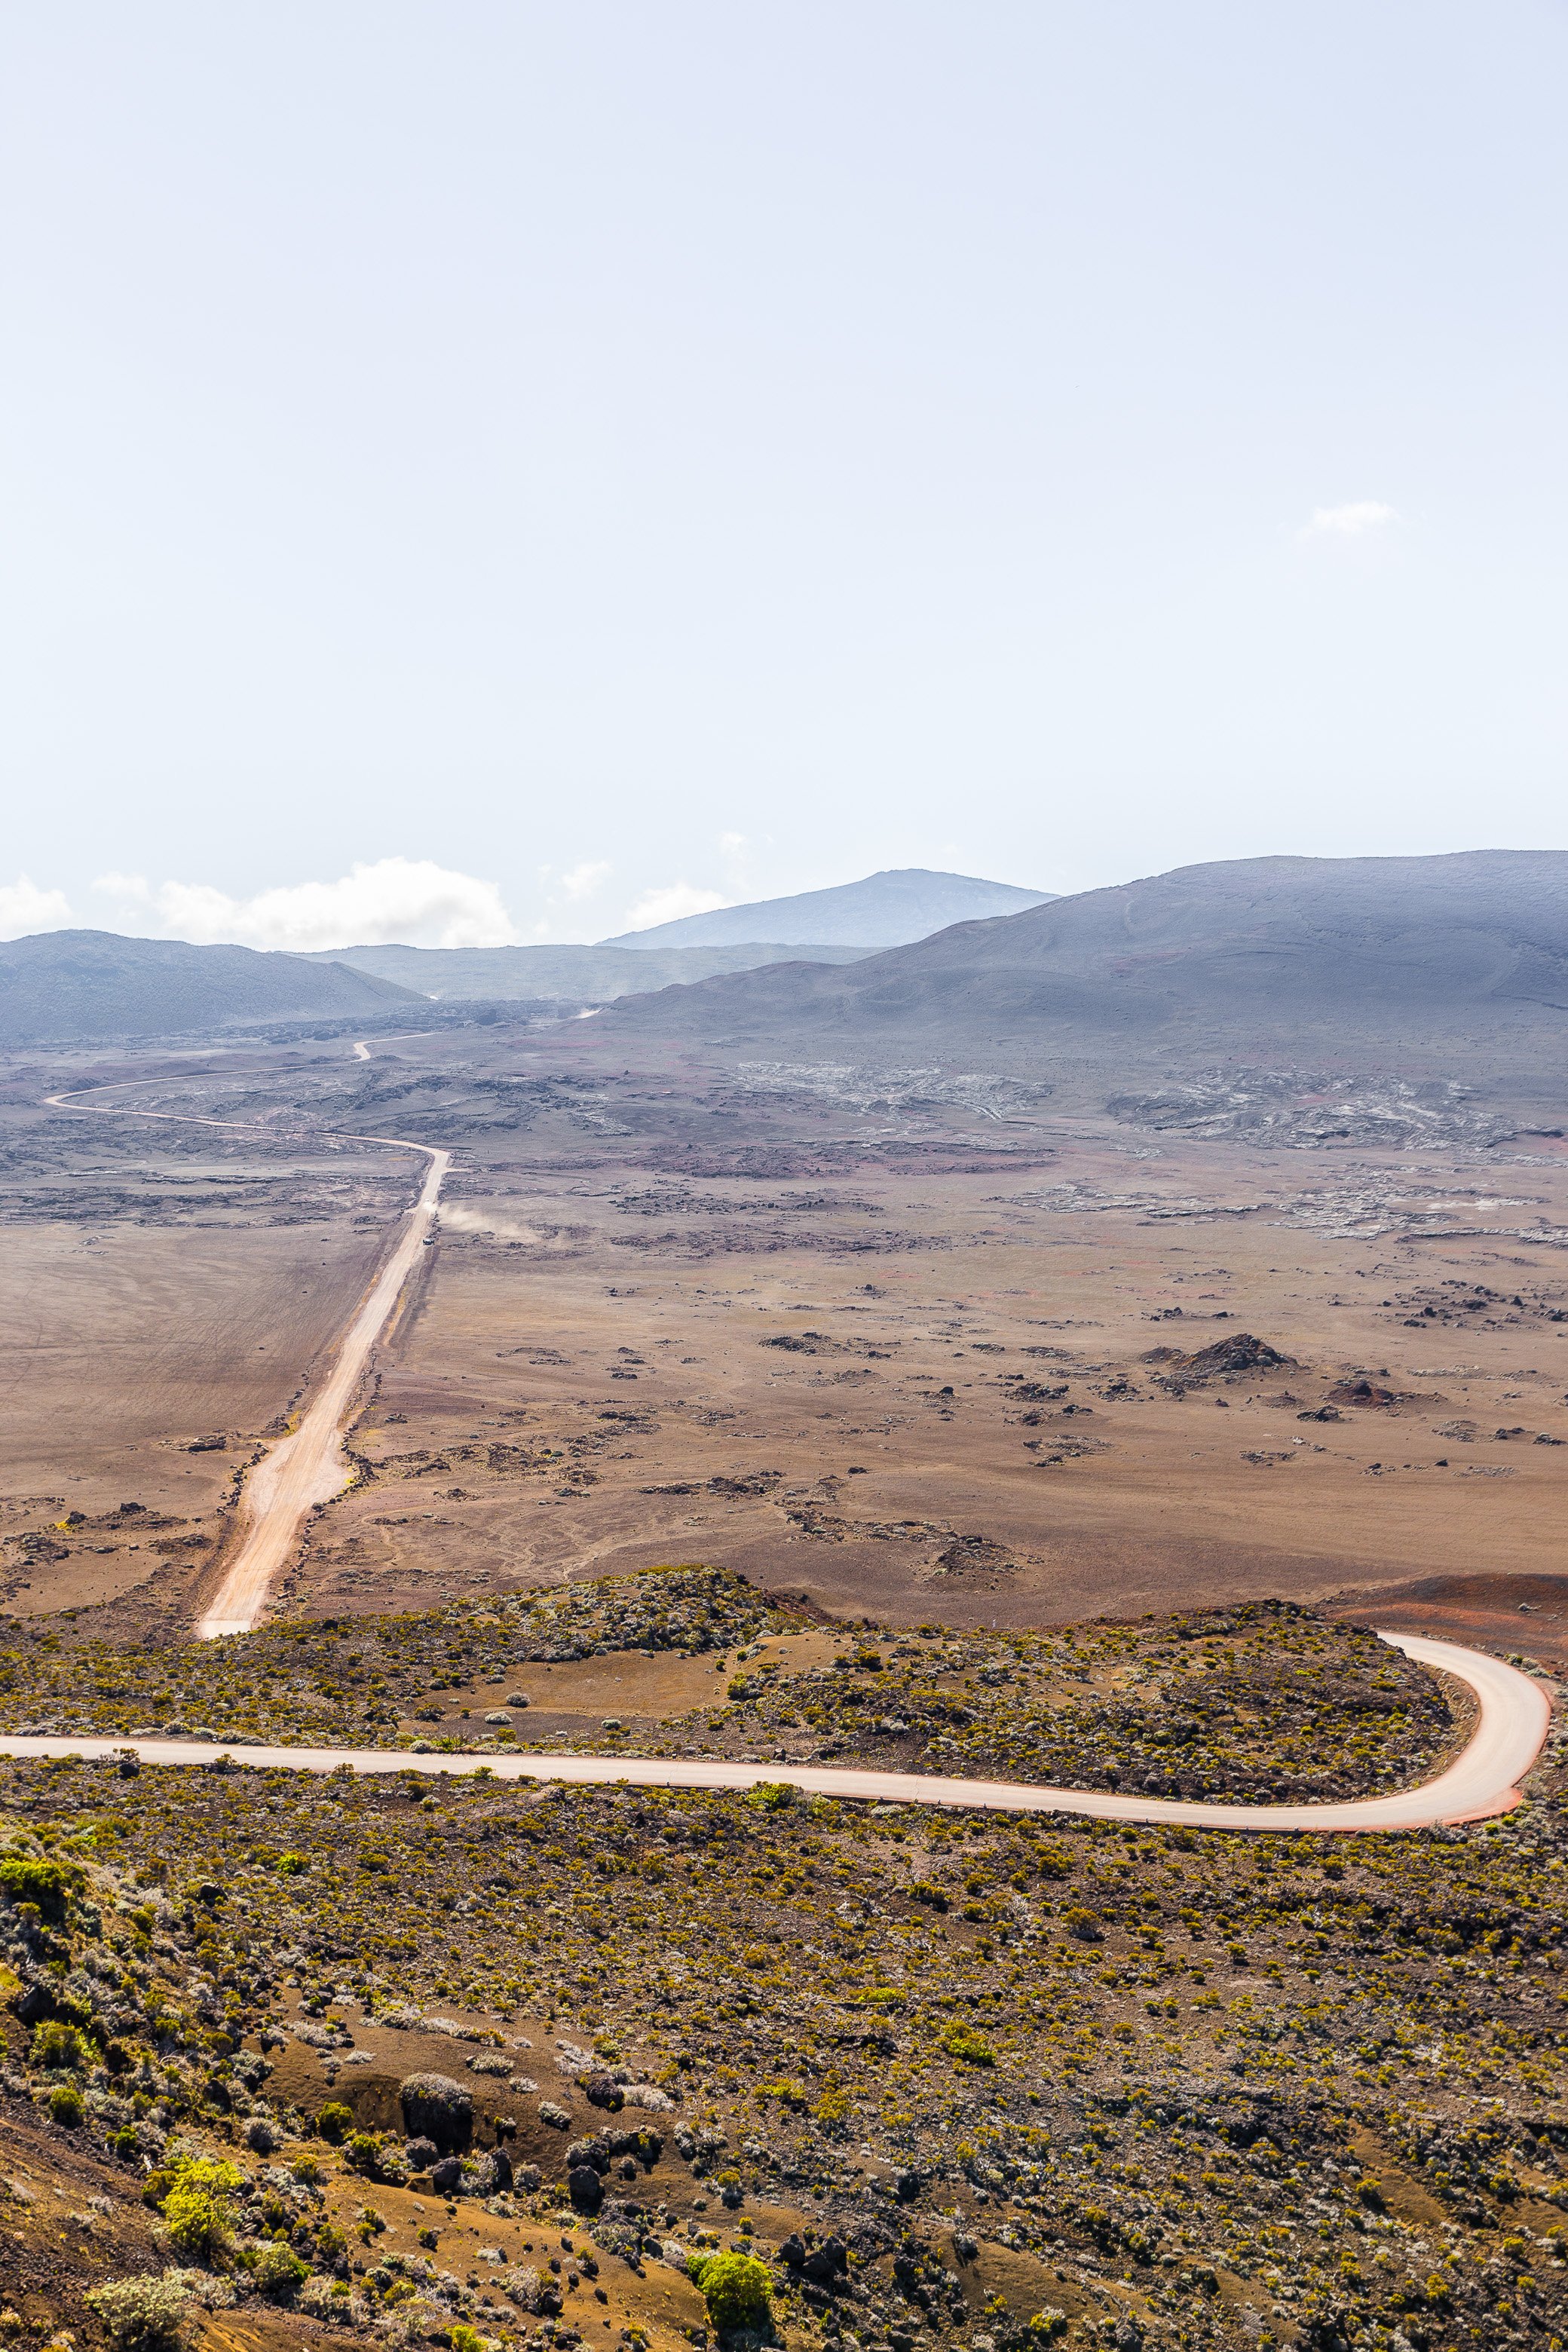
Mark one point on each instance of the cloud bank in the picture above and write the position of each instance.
(25, 909)
(412, 900)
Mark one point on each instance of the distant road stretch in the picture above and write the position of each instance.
(308, 1467)
(1514, 1716)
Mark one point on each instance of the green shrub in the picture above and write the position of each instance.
(58, 2048)
(291, 1865)
(335, 2122)
(736, 2288)
(197, 2212)
(772, 1796)
(142, 2314)
(276, 2272)
(365, 2152)
(464, 2339)
(332, 2243)
(926, 1890)
(24, 1880)
(64, 2104)
(1026, 2335)
(971, 2048)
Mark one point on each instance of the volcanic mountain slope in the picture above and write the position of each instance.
(59, 985)
(884, 911)
(1446, 963)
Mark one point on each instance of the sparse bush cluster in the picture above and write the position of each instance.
(360, 1677)
(1203, 2067)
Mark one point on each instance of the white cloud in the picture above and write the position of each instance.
(397, 899)
(668, 905)
(1349, 521)
(25, 909)
(562, 894)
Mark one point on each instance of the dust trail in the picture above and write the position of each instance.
(501, 1229)
(362, 1051)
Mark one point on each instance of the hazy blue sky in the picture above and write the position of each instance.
(606, 450)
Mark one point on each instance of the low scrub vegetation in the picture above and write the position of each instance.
(920, 2072)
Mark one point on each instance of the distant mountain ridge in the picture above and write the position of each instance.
(59, 986)
(882, 910)
(567, 975)
(1256, 957)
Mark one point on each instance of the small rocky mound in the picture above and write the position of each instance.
(1363, 1392)
(1238, 1351)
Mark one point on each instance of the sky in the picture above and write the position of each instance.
(518, 470)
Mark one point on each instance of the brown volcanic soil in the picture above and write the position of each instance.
(883, 1340)
(1528, 1615)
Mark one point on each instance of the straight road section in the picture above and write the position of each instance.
(308, 1466)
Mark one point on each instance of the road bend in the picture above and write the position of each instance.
(1513, 1715)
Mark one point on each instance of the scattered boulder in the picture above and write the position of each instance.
(488, 2175)
(447, 2176)
(558, 2117)
(604, 2091)
(494, 2173)
(584, 2188)
(436, 2108)
(826, 2263)
(420, 2154)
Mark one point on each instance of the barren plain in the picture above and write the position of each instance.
(918, 1418)
(890, 1342)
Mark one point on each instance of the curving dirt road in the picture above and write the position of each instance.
(1514, 1714)
(308, 1467)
